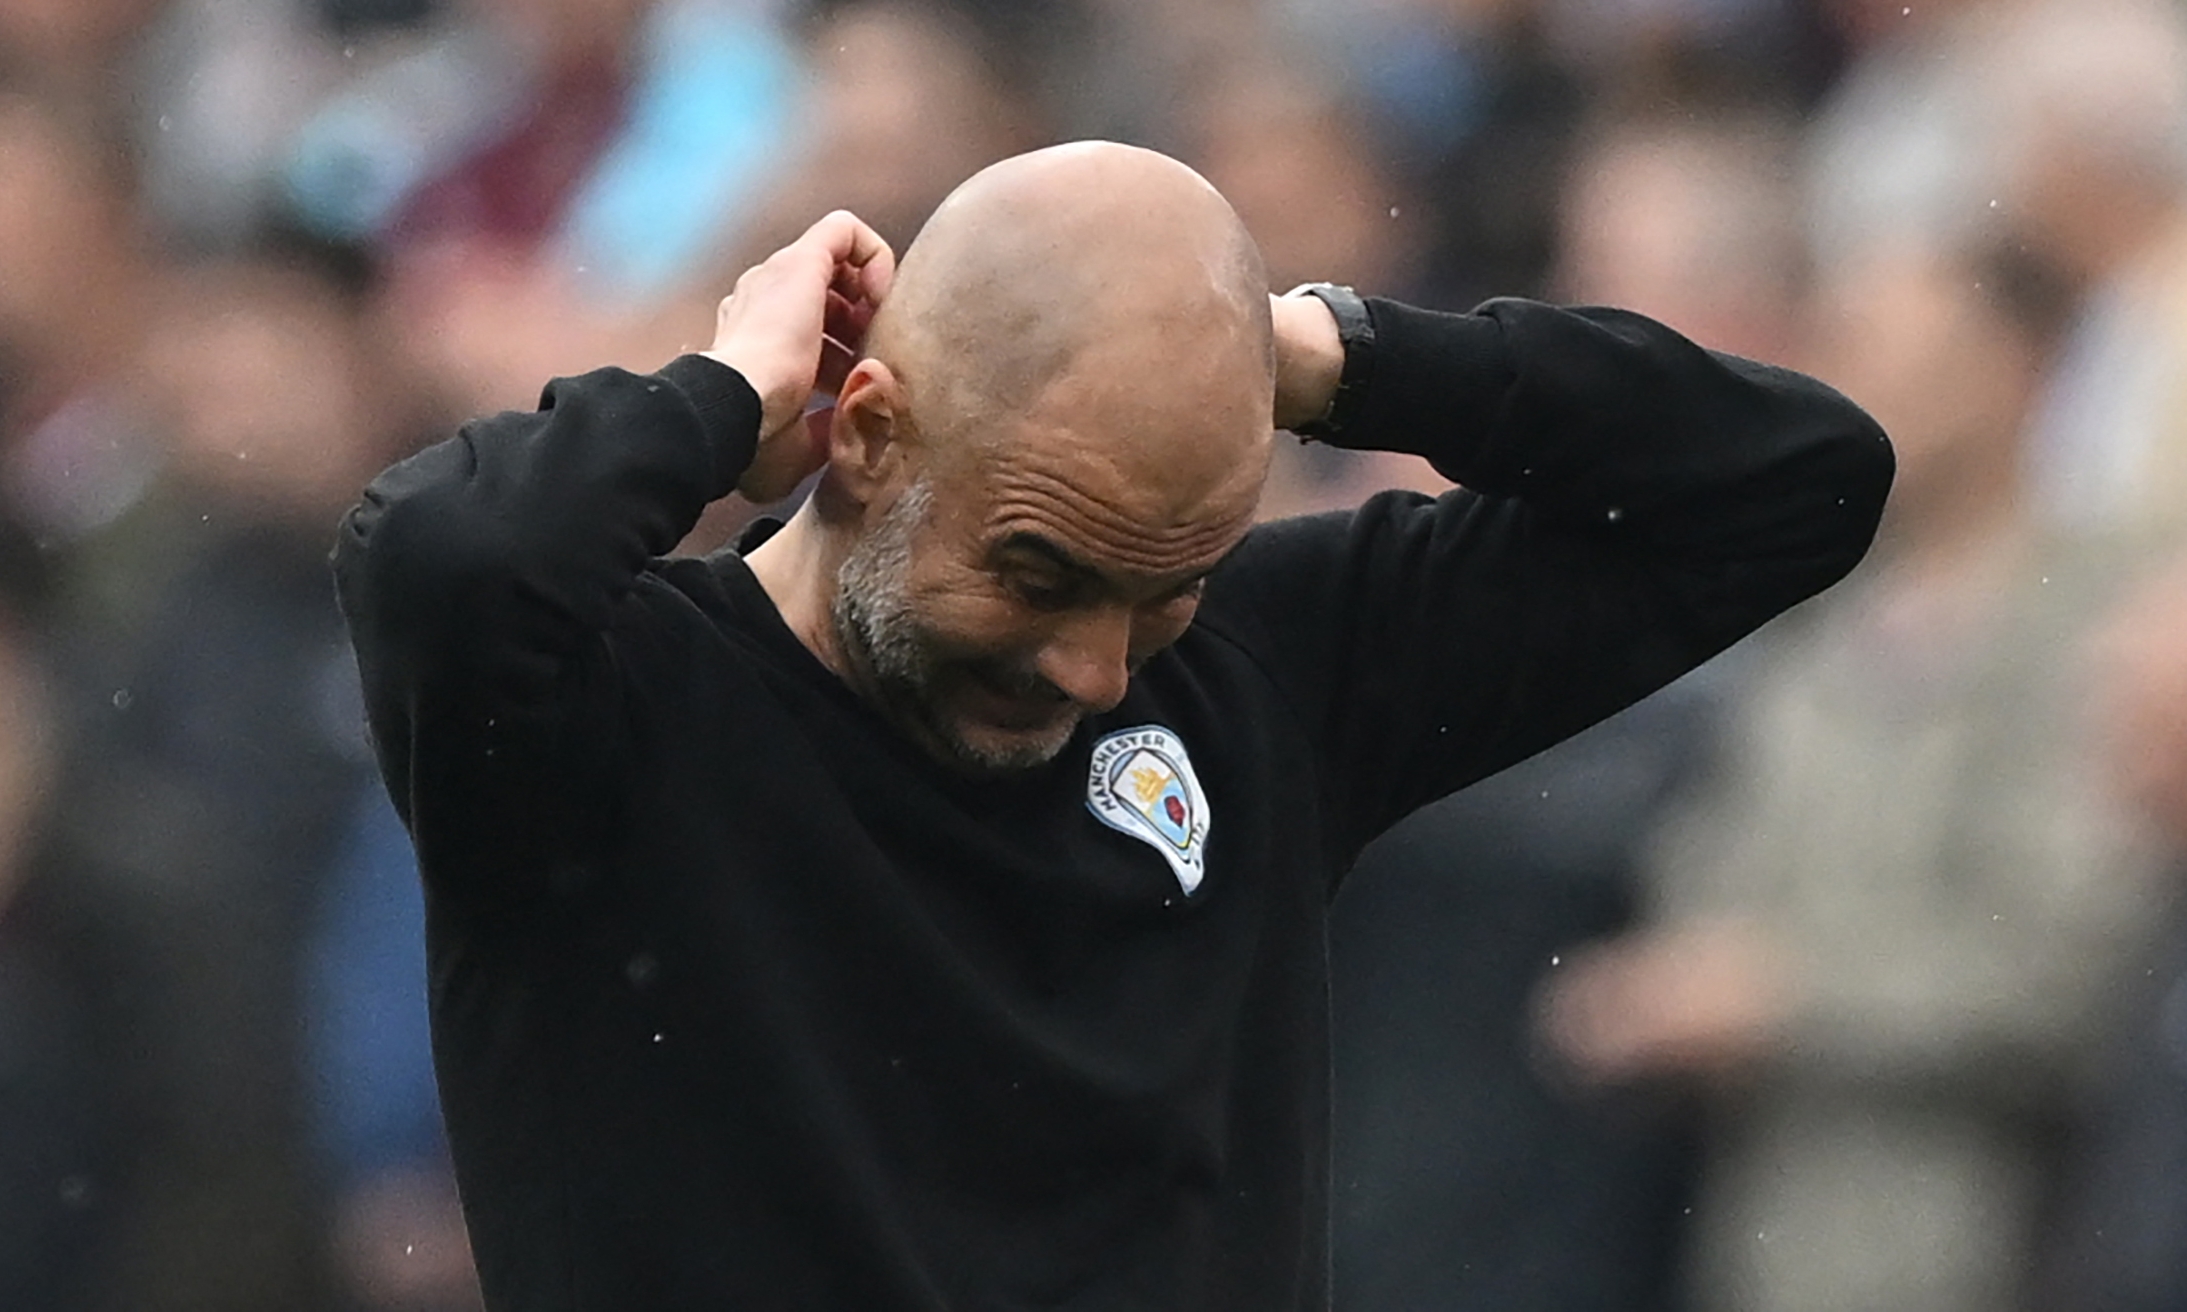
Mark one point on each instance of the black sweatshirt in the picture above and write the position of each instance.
(741, 1002)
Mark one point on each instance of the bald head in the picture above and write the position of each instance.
(1090, 256)
(1062, 426)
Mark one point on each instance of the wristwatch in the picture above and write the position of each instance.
(1355, 329)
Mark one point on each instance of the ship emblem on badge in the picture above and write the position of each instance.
(1141, 783)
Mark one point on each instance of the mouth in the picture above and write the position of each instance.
(1014, 705)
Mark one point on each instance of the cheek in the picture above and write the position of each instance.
(973, 623)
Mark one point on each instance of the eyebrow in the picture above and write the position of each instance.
(1059, 556)
(1050, 551)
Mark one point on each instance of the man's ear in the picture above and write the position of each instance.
(867, 433)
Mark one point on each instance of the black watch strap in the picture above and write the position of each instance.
(1355, 329)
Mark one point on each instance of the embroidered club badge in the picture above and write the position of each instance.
(1141, 783)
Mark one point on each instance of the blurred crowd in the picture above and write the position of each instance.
(1850, 973)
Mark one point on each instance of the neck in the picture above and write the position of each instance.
(797, 567)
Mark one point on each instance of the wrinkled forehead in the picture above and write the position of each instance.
(1120, 509)
(1140, 445)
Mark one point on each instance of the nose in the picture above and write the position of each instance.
(1089, 657)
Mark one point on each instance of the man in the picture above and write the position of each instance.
(2118, 1240)
(923, 908)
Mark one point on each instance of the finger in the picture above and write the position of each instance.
(845, 238)
(849, 284)
(847, 322)
(849, 240)
(878, 274)
(854, 284)
(843, 281)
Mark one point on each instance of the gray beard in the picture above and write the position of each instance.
(876, 627)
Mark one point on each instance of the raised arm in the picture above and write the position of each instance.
(488, 580)
(1631, 504)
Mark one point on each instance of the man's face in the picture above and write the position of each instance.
(996, 604)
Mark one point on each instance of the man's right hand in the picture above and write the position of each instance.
(794, 325)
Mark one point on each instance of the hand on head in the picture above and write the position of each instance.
(794, 325)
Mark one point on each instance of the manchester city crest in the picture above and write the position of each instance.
(1141, 783)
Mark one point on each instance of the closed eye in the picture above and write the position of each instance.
(1044, 577)
(1046, 594)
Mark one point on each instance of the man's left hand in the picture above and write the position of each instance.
(1309, 358)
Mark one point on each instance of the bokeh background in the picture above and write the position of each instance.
(1850, 973)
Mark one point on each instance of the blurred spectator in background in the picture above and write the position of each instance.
(2120, 1242)
(543, 174)
(907, 99)
(1884, 932)
(1465, 1179)
(2095, 164)
(1692, 222)
(1903, 151)
(1477, 111)
(1641, 52)
(73, 285)
(527, 123)
(1258, 127)
(218, 761)
(398, 1238)
(218, 89)
(204, 93)
(56, 1133)
(76, 52)
(1254, 128)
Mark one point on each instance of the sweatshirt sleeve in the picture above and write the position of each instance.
(1630, 505)
(488, 583)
